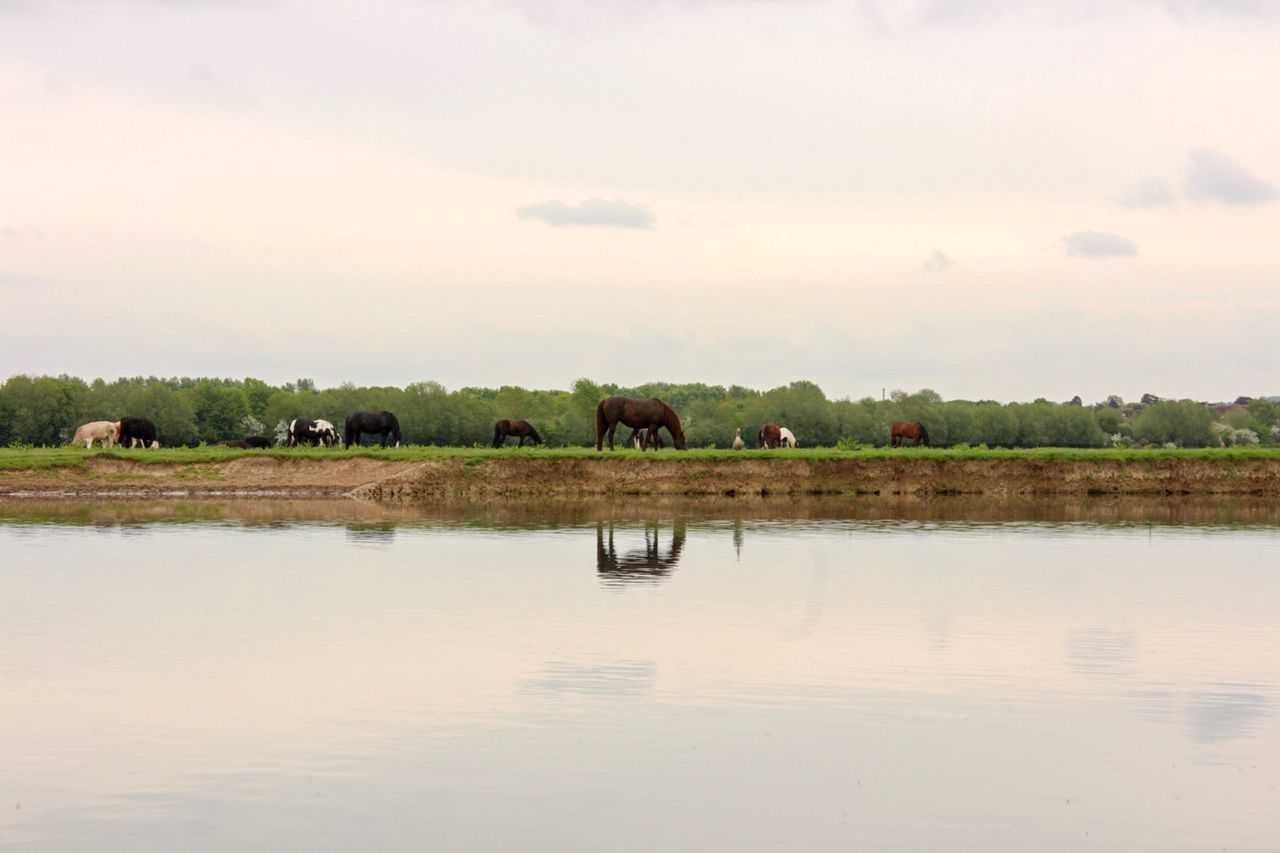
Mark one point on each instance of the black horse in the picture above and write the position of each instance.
(381, 423)
(136, 432)
(520, 429)
(637, 414)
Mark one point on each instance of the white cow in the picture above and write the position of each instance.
(103, 432)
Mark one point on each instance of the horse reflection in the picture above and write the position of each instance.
(647, 565)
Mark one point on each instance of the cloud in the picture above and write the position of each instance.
(1099, 244)
(1213, 176)
(938, 261)
(597, 212)
(1150, 193)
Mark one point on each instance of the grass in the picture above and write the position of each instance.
(28, 458)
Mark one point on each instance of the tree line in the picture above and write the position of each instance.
(45, 410)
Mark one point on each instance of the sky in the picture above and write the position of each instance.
(991, 199)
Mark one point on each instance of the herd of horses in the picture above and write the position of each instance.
(644, 417)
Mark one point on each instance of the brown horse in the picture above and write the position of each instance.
(520, 429)
(909, 429)
(637, 414)
(770, 436)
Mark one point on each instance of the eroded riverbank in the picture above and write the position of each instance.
(735, 476)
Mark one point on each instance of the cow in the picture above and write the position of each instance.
(103, 432)
(313, 433)
(136, 432)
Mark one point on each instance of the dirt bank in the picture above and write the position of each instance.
(524, 477)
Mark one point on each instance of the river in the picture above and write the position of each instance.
(679, 675)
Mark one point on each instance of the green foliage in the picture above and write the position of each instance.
(46, 410)
(1181, 422)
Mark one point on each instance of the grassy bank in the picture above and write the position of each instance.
(446, 473)
(19, 458)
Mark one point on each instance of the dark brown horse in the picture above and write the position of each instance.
(909, 429)
(770, 436)
(645, 566)
(520, 429)
(637, 414)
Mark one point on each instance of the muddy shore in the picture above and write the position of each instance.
(530, 478)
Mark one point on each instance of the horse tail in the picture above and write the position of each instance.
(924, 435)
(497, 434)
(601, 425)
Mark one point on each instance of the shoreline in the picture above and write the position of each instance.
(490, 476)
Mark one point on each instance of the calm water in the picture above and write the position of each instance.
(820, 676)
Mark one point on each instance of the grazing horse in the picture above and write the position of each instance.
(381, 423)
(909, 429)
(258, 442)
(629, 411)
(313, 433)
(787, 438)
(738, 443)
(520, 429)
(769, 437)
(103, 432)
(639, 438)
(136, 432)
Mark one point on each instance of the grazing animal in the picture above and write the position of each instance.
(258, 442)
(787, 438)
(770, 436)
(380, 423)
(237, 443)
(520, 429)
(103, 432)
(643, 566)
(640, 437)
(738, 443)
(136, 432)
(629, 411)
(909, 429)
(313, 433)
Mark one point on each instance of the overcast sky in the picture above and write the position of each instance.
(992, 199)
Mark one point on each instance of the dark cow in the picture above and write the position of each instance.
(258, 442)
(136, 432)
(375, 423)
(313, 433)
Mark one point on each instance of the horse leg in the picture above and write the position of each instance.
(613, 427)
(521, 444)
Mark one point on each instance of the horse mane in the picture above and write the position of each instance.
(924, 433)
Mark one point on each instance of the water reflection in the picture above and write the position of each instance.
(1228, 711)
(830, 674)
(638, 565)
(555, 513)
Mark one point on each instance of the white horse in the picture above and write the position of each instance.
(788, 438)
(103, 432)
(738, 443)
